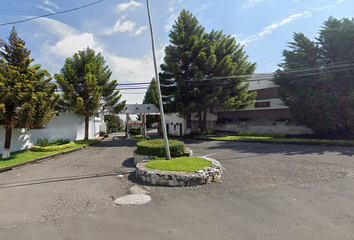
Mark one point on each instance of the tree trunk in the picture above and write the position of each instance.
(8, 136)
(200, 121)
(205, 114)
(87, 119)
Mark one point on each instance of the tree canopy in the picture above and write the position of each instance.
(316, 78)
(26, 92)
(197, 68)
(85, 81)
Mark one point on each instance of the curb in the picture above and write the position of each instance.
(7, 168)
(271, 142)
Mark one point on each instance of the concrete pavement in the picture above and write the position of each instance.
(268, 192)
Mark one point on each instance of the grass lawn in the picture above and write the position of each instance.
(183, 164)
(27, 155)
(280, 140)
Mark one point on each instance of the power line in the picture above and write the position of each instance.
(218, 80)
(50, 14)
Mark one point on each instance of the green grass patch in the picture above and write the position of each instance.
(280, 140)
(27, 155)
(182, 164)
(251, 134)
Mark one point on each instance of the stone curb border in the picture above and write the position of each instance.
(174, 178)
(3, 169)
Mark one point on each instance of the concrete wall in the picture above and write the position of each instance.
(66, 125)
(278, 128)
(173, 124)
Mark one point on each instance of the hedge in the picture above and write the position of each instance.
(52, 148)
(156, 147)
(273, 135)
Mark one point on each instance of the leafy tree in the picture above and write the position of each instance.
(113, 121)
(27, 96)
(86, 83)
(151, 97)
(193, 59)
(316, 79)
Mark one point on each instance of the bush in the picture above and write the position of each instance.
(102, 134)
(135, 131)
(52, 148)
(42, 142)
(250, 134)
(60, 141)
(156, 147)
(113, 121)
(207, 132)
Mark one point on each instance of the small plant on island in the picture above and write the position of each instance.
(156, 147)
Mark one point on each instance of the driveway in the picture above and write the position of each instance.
(268, 192)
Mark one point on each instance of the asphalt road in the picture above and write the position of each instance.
(267, 192)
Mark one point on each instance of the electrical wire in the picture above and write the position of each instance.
(218, 80)
(50, 14)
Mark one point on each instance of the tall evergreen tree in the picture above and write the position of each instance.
(86, 83)
(316, 81)
(27, 96)
(151, 97)
(193, 59)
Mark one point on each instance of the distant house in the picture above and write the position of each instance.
(267, 114)
(268, 106)
(135, 124)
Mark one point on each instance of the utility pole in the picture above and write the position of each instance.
(167, 147)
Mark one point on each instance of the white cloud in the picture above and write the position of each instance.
(140, 30)
(134, 69)
(171, 5)
(124, 69)
(251, 3)
(45, 8)
(56, 28)
(202, 8)
(70, 41)
(130, 5)
(124, 26)
(72, 44)
(170, 21)
(49, 3)
(274, 25)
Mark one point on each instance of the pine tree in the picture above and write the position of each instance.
(151, 97)
(27, 96)
(85, 82)
(192, 60)
(316, 80)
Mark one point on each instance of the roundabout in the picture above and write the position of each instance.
(175, 178)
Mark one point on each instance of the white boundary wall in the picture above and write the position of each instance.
(66, 125)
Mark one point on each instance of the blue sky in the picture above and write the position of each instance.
(119, 30)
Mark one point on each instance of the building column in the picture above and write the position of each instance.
(144, 125)
(127, 125)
